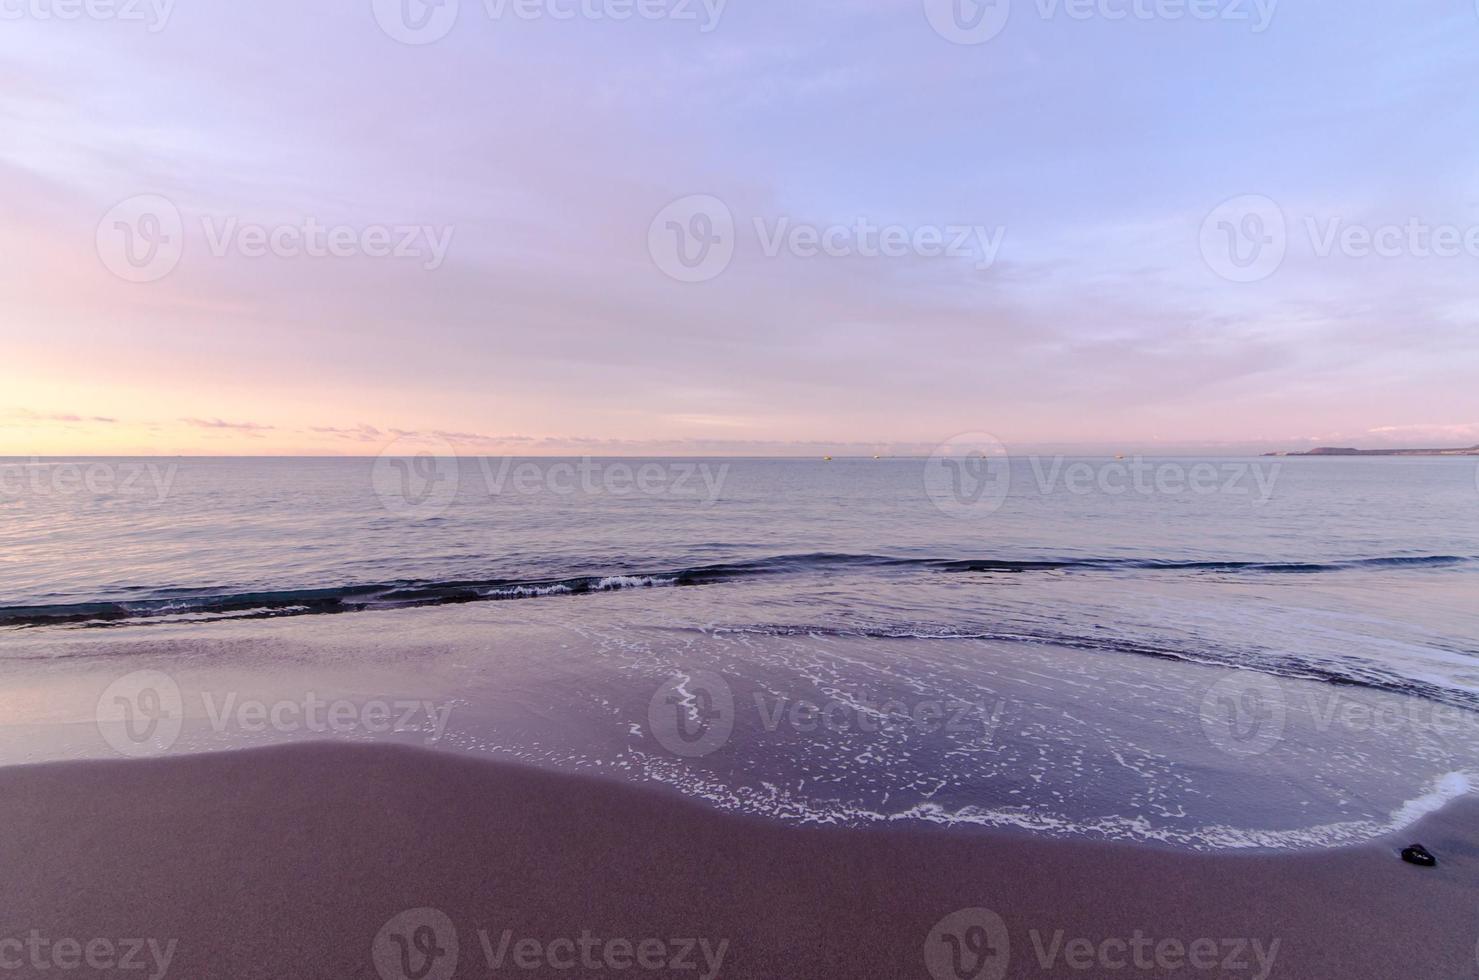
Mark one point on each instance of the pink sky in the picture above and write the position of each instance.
(544, 151)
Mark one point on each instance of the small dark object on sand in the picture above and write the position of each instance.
(1419, 855)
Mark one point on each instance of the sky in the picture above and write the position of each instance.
(754, 227)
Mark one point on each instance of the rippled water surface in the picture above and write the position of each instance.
(1094, 616)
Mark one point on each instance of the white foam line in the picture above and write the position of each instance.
(633, 582)
(1442, 791)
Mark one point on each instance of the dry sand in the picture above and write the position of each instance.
(287, 863)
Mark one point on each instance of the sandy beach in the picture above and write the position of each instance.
(326, 860)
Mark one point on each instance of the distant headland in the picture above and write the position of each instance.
(1329, 451)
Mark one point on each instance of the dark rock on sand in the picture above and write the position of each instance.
(1419, 855)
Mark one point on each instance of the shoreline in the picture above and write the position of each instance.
(1059, 741)
(289, 860)
(1447, 792)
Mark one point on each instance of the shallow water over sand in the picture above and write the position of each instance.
(1209, 653)
(826, 729)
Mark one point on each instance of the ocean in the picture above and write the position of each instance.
(1209, 653)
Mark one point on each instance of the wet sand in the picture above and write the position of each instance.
(296, 861)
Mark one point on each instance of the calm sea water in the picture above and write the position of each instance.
(1359, 570)
(1085, 609)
